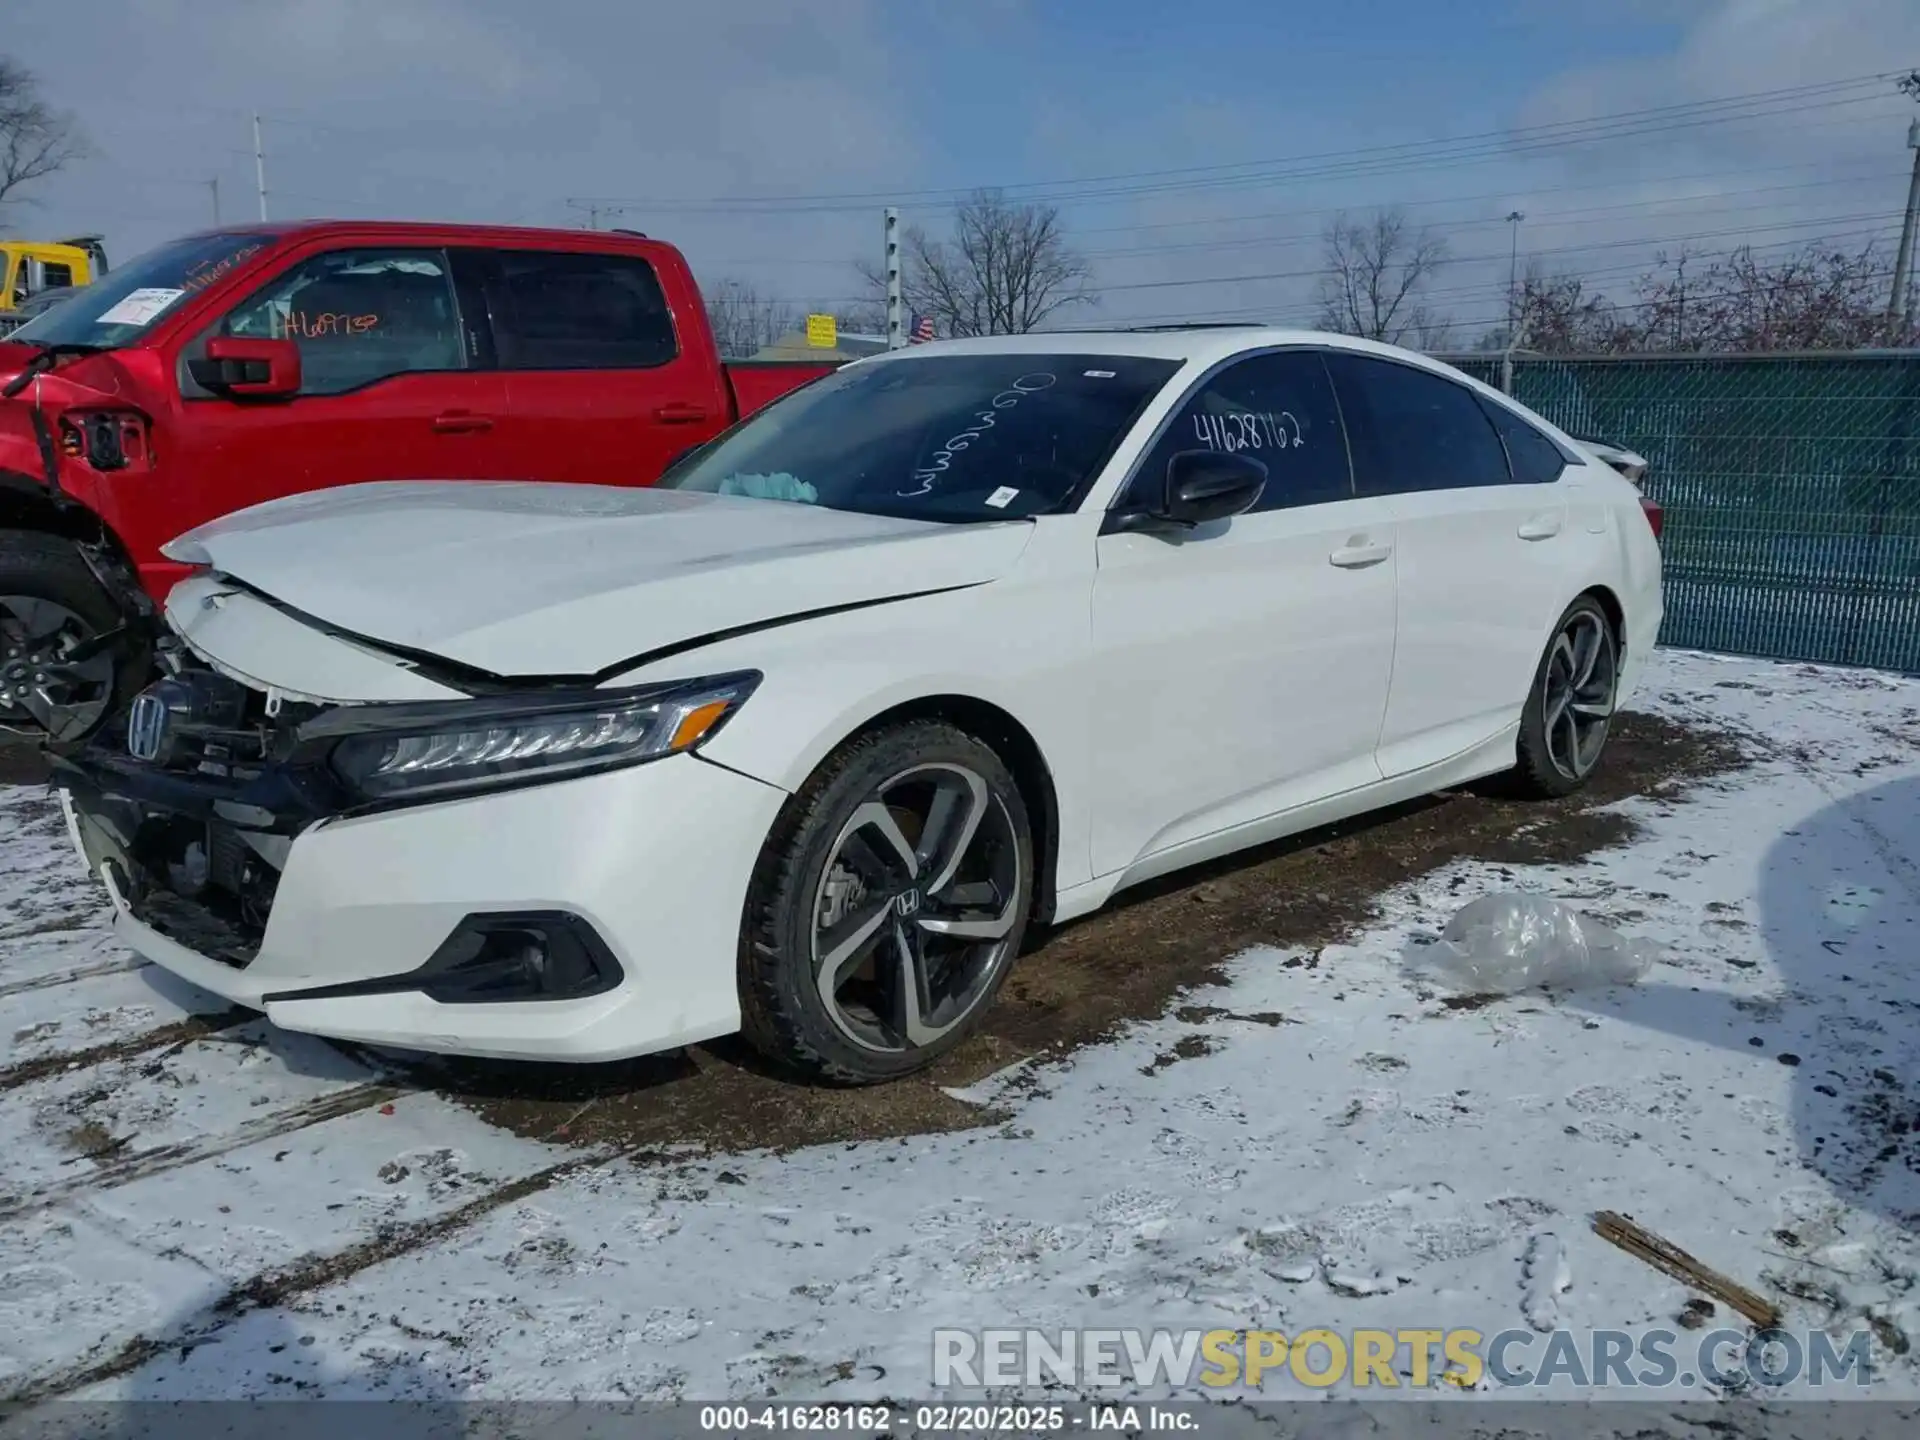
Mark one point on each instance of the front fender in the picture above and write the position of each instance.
(1020, 647)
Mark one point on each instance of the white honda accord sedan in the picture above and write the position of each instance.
(802, 741)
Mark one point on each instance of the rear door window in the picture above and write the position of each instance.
(359, 317)
(555, 310)
(1412, 429)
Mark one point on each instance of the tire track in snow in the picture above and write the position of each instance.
(139, 1164)
(176, 1033)
(276, 1287)
(117, 966)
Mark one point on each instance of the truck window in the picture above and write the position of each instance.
(559, 311)
(359, 316)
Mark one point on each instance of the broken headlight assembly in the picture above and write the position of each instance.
(422, 751)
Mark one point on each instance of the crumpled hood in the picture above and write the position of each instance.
(525, 579)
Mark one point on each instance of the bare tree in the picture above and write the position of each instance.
(743, 320)
(1820, 297)
(1817, 298)
(35, 139)
(1005, 271)
(1376, 271)
(868, 317)
(1559, 315)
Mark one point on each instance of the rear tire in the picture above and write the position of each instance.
(887, 906)
(1569, 711)
(50, 602)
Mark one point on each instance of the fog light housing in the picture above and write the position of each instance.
(545, 956)
(493, 958)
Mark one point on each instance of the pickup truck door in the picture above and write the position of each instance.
(609, 368)
(389, 391)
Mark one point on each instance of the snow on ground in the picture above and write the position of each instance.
(1317, 1141)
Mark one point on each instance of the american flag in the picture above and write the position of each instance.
(922, 330)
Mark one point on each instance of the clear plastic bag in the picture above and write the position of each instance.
(1511, 941)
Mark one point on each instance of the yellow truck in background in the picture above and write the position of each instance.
(31, 268)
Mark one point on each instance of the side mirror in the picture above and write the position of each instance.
(239, 366)
(1204, 485)
(1201, 486)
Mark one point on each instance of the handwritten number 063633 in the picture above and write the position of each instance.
(983, 421)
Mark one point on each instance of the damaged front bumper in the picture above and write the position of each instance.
(584, 918)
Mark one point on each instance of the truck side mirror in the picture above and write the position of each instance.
(237, 366)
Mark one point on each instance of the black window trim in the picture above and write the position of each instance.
(1463, 382)
(1493, 399)
(1204, 378)
(195, 348)
(495, 277)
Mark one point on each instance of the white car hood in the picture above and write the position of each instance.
(524, 579)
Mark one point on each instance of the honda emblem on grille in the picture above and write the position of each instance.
(147, 726)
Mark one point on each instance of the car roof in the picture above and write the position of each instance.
(1200, 344)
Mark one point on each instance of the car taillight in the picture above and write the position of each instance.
(1653, 513)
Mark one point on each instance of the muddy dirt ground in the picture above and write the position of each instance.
(1079, 982)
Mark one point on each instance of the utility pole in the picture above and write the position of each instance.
(896, 328)
(214, 185)
(259, 167)
(1898, 302)
(1514, 217)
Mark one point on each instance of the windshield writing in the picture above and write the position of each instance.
(953, 437)
(116, 308)
(984, 421)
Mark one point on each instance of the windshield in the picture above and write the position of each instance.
(122, 303)
(954, 438)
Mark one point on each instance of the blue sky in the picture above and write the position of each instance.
(496, 109)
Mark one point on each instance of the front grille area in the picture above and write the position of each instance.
(200, 884)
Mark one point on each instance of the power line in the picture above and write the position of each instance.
(1416, 152)
(1539, 220)
(1502, 255)
(1497, 197)
(1419, 155)
(1121, 196)
(1491, 289)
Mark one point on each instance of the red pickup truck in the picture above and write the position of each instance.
(245, 364)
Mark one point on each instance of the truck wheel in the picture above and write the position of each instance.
(51, 606)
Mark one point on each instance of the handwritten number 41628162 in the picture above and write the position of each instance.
(1249, 430)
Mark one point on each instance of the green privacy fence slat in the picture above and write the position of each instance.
(1791, 486)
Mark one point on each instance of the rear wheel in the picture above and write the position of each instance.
(54, 683)
(1569, 714)
(887, 906)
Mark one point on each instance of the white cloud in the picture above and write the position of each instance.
(503, 109)
(485, 110)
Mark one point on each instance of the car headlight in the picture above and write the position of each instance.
(421, 750)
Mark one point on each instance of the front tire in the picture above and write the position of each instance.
(887, 906)
(1569, 713)
(51, 606)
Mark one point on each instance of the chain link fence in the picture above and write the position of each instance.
(1791, 485)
